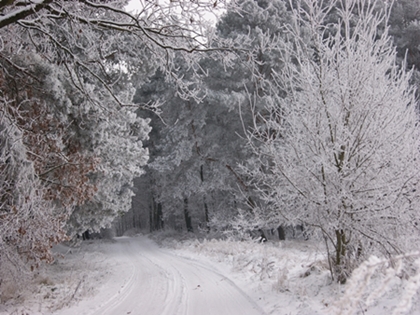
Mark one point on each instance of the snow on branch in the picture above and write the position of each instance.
(18, 13)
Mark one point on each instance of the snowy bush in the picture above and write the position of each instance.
(375, 277)
(342, 152)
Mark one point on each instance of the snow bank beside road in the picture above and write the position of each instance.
(77, 274)
(288, 277)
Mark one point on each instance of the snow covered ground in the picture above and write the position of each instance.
(133, 275)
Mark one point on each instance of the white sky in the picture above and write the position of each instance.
(136, 5)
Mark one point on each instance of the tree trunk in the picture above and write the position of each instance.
(159, 217)
(187, 216)
(206, 213)
(156, 216)
(151, 216)
(206, 209)
(86, 235)
(282, 234)
(340, 256)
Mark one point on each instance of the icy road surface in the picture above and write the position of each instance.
(153, 281)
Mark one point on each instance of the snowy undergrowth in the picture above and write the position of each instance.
(289, 277)
(292, 277)
(74, 275)
(390, 285)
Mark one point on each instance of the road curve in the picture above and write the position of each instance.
(153, 281)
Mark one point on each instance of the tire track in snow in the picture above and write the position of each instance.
(122, 293)
(175, 298)
(153, 281)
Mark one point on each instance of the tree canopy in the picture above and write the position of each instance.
(72, 141)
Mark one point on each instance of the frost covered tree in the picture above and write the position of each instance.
(173, 170)
(342, 153)
(68, 117)
(404, 24)
(60, 156)
(195, 154)
(117, 141)
(36, 160)
(23, 204)
(259, 27)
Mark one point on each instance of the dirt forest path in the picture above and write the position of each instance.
(153, 281)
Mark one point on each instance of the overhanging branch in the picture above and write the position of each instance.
(20, 13)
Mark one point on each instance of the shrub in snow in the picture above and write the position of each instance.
(375, 277)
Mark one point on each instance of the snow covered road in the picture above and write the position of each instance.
(153, 281)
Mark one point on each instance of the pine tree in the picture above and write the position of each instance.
(195, 155)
